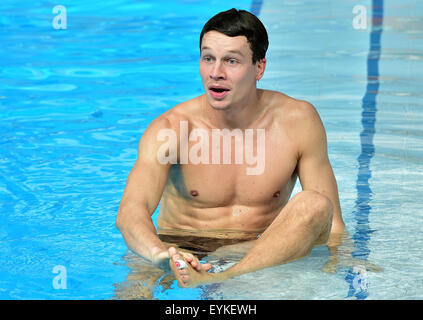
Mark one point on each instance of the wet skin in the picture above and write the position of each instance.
(208, 197)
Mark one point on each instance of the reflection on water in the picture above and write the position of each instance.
(73, 104)
(145, 281)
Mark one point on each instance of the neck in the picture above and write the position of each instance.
(241, 115)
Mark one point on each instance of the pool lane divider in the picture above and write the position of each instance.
(358, 286)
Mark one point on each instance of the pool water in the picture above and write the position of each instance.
(74, 103)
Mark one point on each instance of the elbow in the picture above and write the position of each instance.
(119, 222)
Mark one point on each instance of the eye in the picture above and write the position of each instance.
(231, 61)
(207, 58)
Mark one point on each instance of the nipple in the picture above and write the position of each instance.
(194, 193)
(276, 194)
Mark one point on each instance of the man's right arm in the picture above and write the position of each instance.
(142, 194)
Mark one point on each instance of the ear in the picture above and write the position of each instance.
(260, 67)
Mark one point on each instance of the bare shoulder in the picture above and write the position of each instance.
(181, 112)
(293, 114)
(291, 109)
(172, 118)
(298, 118)
(161, 128)
(306, 118)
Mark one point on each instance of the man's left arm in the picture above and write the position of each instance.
(314, 168)
(315, 173)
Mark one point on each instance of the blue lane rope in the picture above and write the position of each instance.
(362, 233)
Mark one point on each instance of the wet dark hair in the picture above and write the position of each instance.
(240, 23)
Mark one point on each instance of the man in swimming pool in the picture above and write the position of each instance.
(200, 197)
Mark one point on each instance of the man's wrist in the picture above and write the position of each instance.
(160, 257)
(157, 251)
(154, 251)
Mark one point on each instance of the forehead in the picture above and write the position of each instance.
(219, 42)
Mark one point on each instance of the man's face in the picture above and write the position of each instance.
(228, 74)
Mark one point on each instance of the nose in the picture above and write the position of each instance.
(217, 72)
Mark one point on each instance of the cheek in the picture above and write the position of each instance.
(203, 71)
(244, 79)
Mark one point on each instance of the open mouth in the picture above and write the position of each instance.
(218, 92)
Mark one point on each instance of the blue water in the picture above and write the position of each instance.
(75, 102)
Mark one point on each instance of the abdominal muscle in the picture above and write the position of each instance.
(228, 222)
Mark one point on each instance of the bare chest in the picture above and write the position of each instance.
(255, 173)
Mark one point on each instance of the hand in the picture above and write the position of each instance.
(341, 249)
(347, 261)
(160, 258)
(188, 270)
(191, 259)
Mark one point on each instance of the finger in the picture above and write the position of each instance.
(188, 256)
(172, 251)
(329, 267)
(372, 267)
(195, 263)
(178, 265)
(206, 266)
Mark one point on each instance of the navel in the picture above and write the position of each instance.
(194, 193)
(276, 194)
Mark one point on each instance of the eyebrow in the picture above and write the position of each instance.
(231, 51)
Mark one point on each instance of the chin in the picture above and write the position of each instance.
(218, 104)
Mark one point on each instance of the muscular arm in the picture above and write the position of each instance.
(315, 173)
(314, 168)
(142, 194)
